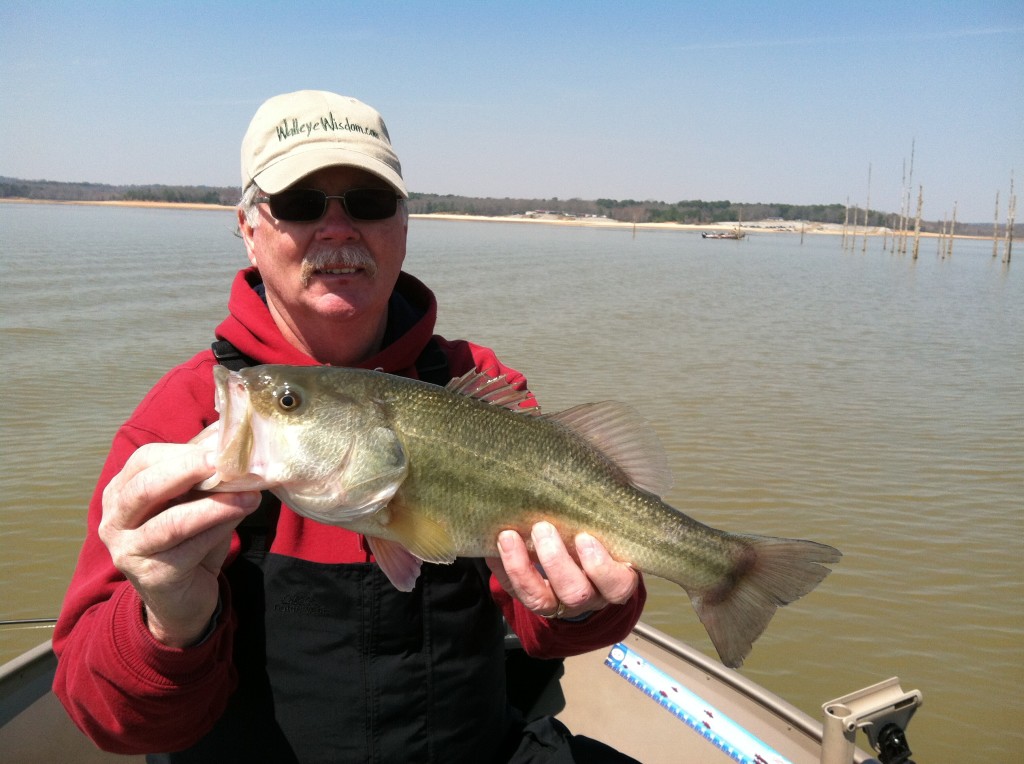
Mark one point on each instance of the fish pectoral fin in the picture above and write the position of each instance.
(401, 568)
(415, 538)
(422, 537)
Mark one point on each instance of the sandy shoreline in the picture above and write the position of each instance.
(122, 203)
(764, 226)
(754, 226)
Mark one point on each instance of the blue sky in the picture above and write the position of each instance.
(753, 102)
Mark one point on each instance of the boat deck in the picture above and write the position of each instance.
(651, 697)
(692, 689)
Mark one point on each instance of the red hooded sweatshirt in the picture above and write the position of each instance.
(132, 694)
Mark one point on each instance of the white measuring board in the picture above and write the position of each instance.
(690, 708)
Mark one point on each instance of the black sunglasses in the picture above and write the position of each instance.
(300, 205)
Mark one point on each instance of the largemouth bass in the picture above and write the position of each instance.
(430, 474)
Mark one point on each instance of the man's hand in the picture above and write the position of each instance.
(561, 588)
(169, 541)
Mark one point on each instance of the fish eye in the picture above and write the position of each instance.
(287, 399)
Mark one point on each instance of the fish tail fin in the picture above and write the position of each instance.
(768, 573)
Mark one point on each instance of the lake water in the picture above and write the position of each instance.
(864, 400)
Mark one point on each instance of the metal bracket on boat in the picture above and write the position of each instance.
(882, 710)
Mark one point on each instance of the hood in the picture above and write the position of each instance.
(251, 328)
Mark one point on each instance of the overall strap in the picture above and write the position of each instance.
(432, 365)
(229, 356)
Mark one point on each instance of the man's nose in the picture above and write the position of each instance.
(336, 222)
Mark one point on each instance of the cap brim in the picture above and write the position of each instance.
(295, 166)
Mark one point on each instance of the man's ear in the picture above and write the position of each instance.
(246, 231)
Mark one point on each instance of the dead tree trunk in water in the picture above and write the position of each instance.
(909, 186)
(917, 221)
(846, 222)
(867, 212)
(1011, 214)
(995, 231)
(1009, 227)
(952, 232)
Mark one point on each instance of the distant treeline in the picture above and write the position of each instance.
(49, 190)
(630, 210)
(694, 212)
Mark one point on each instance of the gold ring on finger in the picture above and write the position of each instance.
(559, 612)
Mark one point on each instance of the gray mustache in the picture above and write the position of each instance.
(345, 256)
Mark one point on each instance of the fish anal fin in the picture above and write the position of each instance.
(401, 568)
(494, 390)
(625, 438)
(768, 573)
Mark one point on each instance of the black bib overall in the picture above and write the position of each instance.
(336, 665)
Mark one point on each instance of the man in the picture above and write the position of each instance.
(192, 628)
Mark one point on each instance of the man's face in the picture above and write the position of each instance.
(323, 273)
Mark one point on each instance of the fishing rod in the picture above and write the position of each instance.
(28, 621)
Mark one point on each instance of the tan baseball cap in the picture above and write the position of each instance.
(294, 134)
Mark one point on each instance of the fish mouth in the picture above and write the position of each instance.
(235, 437)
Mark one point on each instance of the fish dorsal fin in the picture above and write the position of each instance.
(494, 390)
(625, 438)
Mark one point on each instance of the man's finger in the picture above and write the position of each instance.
(615, 581)
(567, 581)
